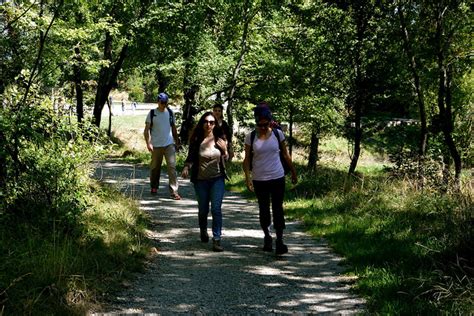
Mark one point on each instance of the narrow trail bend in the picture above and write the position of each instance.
(185, 276)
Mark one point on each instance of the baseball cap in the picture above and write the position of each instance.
(163, 97)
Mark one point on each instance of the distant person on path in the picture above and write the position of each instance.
(265, 175)
(123, 105)
(205, 160)
(218, 111)
(161, 139)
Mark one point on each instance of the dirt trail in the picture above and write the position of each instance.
(187, 277)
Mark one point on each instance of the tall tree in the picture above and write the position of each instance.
(124, 22)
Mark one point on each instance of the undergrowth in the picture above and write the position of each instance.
(57, 273)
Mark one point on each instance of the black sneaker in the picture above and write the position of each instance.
(280, 247)
(267, 243)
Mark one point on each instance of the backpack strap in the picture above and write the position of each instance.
(252, 139)
(172, 121)
(277, 136)
(284, 164)
(152, 114)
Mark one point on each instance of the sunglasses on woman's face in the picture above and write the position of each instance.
(263, 125)
(209, 122)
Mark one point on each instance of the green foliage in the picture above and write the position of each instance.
(45, 160)
(65, 240)
(49, 272)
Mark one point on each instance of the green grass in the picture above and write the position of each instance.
(52, 273)
(411, 251)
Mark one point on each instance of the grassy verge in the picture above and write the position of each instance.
(52, 273)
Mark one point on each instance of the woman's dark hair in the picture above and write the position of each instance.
(218, 105)
(198, 131)
(261, 113)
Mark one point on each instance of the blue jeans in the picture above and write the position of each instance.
(210, 191)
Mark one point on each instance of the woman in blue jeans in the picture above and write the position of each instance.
(264, 175)
(205, 160)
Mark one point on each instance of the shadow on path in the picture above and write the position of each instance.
(187, 277)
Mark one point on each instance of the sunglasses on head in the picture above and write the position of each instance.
(209, 122)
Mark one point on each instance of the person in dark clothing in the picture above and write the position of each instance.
(218, 111)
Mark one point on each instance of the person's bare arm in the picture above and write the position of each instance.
(287, 157)
(146, 134)
(248, 180)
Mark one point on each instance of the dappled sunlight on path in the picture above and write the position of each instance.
(185, 276)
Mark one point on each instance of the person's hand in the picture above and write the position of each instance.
(185, 172)
(149, 147)
(249, 184)
(294, 178)
(221, 145)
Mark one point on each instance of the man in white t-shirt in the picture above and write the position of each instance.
(161, 140)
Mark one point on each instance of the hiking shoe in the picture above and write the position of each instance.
(280, 247)
(175, 196)
(154, 191)
(267, 243)
(204, 236)
(216, 245)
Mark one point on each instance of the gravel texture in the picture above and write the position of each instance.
(186, 276)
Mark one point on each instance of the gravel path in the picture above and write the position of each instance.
(185, 276)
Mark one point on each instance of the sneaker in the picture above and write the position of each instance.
(280, 247)
(204, 236)
(154, 191)
(267, 243)
(175, 196)
(216, 245)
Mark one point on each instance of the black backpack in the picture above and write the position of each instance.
(285, 165)
(152, 114)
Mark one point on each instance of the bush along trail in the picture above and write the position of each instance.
(185, 275)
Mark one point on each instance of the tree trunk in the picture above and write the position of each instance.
(78, 83)
(109, 129)
(313, 151)
(361, 20)
(357, 134)
(238, 66)
(38, 59)
(107, 78)
(444, 99)
(418, 90)
(290, 127)
(189, 109)
(449, 133)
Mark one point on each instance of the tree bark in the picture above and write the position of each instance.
(37, 63)
(444, 98)
(78, 83)
(313, 151)
(238, 66)
(109, 128)
(108, 77)
(416, 80)
(361, 25)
